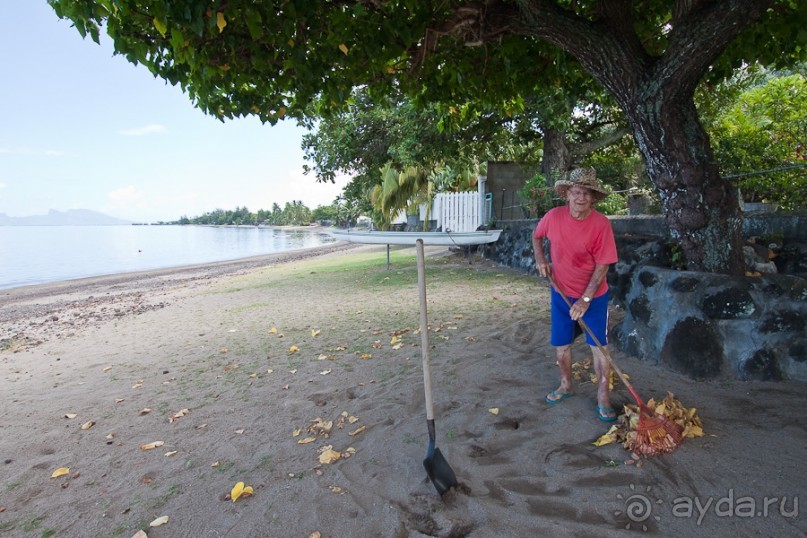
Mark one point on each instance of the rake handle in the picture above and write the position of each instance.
(602, 349)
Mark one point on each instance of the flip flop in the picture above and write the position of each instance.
(556, 397)
(603, 412)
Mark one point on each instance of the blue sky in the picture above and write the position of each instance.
(83, 129)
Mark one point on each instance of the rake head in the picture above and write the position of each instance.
(656, 435)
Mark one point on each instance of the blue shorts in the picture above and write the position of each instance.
(563, 327)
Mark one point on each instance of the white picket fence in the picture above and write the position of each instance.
(458, 211)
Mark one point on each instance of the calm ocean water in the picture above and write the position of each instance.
(42, 254)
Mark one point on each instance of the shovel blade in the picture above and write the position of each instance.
(440, 472)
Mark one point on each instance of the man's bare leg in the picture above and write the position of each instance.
(563, 354)
(602, 369)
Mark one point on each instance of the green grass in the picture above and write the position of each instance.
(32, 524)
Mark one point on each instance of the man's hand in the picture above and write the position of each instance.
(578, 309)
(543, 268)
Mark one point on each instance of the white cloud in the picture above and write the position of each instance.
(125, 195)
(153, 128)
(3, 185)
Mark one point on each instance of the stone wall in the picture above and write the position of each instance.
(699, 323)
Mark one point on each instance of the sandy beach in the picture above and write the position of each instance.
(299, 374)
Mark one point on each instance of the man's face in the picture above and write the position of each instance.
(580, 199)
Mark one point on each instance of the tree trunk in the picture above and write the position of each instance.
(700, 208)
(557, 157)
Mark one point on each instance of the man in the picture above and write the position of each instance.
(582, 247)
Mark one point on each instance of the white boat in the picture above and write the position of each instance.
(378, 237)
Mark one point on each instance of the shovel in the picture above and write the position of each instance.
(438, 469)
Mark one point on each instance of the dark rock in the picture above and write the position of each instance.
(640, 309)
(729, 303)
(647, 279)
(695, 348)
(763, 366)
(798, 351)
(684, 284)
(783, 321)
(792, 258)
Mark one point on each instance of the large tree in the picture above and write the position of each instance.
(273, 58)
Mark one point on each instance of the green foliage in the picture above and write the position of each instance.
(537, 197)
(326, 213)
(765, 128)
(293, 214)
(613, 204)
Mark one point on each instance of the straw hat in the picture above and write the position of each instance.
(582, 177)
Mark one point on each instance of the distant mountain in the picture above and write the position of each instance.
(71, 217)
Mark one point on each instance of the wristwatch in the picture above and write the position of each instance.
(586, 299)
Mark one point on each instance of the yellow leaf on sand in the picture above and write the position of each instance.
(329, 455)
(325, 372)
(297, 432)
(240, 490)
(692, 430)
(306, 440)
(493, 410)
(169, 454)
(108, 368)
(61, 471)
(87, 425)
(70, 415)
(151, 446)
(608, 438)
(220, 22)
(397, 346)
(293, 349)
(343, 48)
(357, 431)
(314, 332)
(162, 520)
(394, 340)
(273, 330)
(366, 356)
(140, 534)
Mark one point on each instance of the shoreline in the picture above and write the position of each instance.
(218, 268)
(32, 314)
(8, 286)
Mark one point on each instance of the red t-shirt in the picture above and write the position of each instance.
(576, 247)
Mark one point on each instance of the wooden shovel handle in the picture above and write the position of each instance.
(424, 332)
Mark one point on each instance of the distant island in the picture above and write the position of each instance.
(71, 217)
